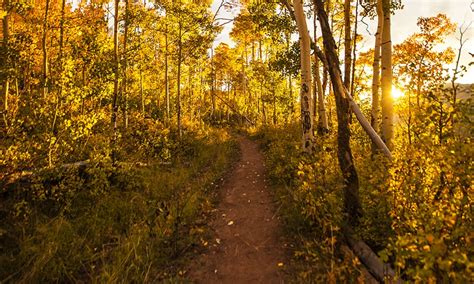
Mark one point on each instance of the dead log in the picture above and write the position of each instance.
(381, 271)
(368, 277)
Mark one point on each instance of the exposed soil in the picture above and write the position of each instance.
(248, 245)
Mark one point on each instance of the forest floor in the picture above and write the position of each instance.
(248, 244)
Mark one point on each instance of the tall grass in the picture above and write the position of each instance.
(114, 225)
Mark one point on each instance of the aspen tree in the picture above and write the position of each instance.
(386, 82)
(125, 67)
(6, 34)
(45, 51)
(374, 114)
(305, 92)
(116, 81)
(352, 203)
(318, 88)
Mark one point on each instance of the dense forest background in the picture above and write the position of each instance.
(119, 119)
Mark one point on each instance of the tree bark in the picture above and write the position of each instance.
(352, 204)
(61, 66)
(318, 88)
(125, 67)
(387, 100)
(6, 35)
(178, 81)
(354, 48)
(347, 44)
(305, 92)
(213, 89)
(274, 108)
(116, 83)
(374, 114)
(45, 51)
(167, 87)
(381, 271)
(142, 95)
(355, 108)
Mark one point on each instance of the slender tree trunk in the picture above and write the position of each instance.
(347, 44)
(6, 35)
(167, 85)
(178, 83)
(253, 51)
(454, 86)
(125, 67)
(305, 92)
(290, 83)
(116, 83)
(213, 90)
(142, 96)
(352, 204)
(354, 48)
(274, 109)
(45, 51)
(387, 100)
(374, 114)
(83, 86)
(330, 62)
(61, 66)
(315, 70)
(318, 88)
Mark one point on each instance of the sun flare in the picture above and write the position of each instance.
(397, 93)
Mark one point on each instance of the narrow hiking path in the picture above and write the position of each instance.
(248, 245)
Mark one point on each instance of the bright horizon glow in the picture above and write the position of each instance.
(397, 93)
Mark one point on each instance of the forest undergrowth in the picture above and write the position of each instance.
(420, 224)
(129, 223)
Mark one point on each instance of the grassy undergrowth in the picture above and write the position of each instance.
(308, 190)
(417, 209)
(100, 224)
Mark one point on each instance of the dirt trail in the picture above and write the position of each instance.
(248, 246)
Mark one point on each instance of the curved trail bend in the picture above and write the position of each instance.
(247, 246)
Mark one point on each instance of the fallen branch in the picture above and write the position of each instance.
(381, 271)
(367, 127)
(368, 277)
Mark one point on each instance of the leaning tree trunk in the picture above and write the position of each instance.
(355, 108)
(387, 100)
(305, 92)
(352, 204)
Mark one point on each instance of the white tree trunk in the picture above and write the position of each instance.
(6, 34)
(387, 100)
(321, 107)
(305, 92)
(374, 115)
